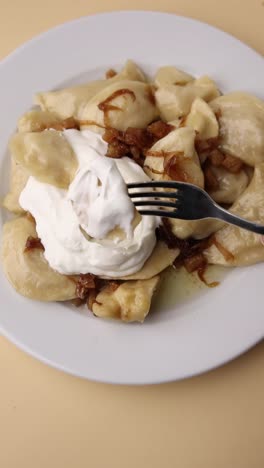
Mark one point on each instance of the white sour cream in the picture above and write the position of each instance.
(95, 203)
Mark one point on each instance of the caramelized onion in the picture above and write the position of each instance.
(160, 129)
(216, 158)
(175, 167)
(210, 180)
(110, 73)
(228, 256)
(232, 163)
(33, 243)
(84, 284)
(191, 251)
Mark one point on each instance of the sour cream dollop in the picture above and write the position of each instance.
(73, 224)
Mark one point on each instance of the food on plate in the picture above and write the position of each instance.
(77, 235)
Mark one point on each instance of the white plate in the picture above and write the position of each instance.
(205, 331)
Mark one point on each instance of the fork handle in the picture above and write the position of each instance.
(240, 222)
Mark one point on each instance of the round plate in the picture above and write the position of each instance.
(196, 335)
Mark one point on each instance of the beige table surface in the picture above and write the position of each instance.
(51, 420)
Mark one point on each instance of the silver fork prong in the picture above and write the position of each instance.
(158, 183)
(154, 195)
(154, 203)
(160, 213)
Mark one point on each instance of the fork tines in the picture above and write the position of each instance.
(175, 196)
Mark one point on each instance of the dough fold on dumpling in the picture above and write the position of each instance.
(244, 246)
(175, 101)
(187, 168)
(130, 302)
(121, 105)
(176, 151)
(203, 120)
(28, 272)
(46, 156)
(160, 259)
(38, 120)
(241, 120)
(231, 186)
(67, 102)
(171, 76)
(18, 179)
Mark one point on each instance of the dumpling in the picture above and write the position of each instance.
(197, 229)
(188, 169)
(45, 155)
(28, 272)
(67, 102)
(174, 158)
(241, 119)
(162, 257)
(130, 71)
(174, 101)
(231, 186)
(130, 302)
(242, 247)
(121, 105)
(37, 121)
(171, 76)
(202, 119)
(18, 179)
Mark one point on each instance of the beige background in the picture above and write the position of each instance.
(49, 419)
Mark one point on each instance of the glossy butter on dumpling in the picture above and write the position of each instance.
(174, 101)
(46, 156)
(67, 102)
(130, 302)
(18, 179)
(177, 151)
(121, 105)
(28, 272)
(242, 247)
(231, 186)
(168, 75)
(241, 119)
(203, 120)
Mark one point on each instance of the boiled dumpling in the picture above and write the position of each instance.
(130, 71)
(162, 257)
(37, 121)
(130, 302)
(45, 155)
(171, 76)
(174, 101)
(68, 102)
(18, 179)
(121, 105)
(181, 141)
(197, 229)
(175, 151)
(203, 120)
(231, 186)
(241, 119)
(28, 272)
(244, 246)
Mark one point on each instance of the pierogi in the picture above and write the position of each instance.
(76, 150)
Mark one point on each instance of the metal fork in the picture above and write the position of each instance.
(186, 201)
